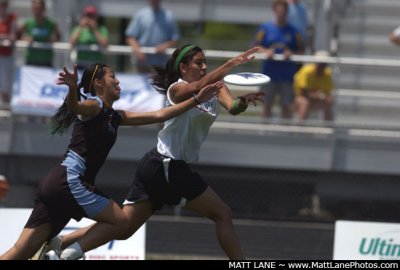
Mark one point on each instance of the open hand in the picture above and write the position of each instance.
(209, 91)
(246, 56)
(68, 78)
(251, 97)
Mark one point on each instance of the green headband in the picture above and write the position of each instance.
(181, 54)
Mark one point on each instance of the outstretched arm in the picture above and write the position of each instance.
(238, 105)
(87, 107)
(134, 119)
(218, 73)
(183, 91)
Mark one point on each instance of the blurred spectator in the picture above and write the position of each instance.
(4, 188)
(152, 26)
(279, 37)
(39, 28)
(8, 31)
(395, 36)
(313, 85)
(89, 32)
(298, 17)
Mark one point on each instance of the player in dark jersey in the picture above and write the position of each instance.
(69, 189)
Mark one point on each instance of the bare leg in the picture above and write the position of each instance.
(137, 214)
(110, 221)
(74, 236)
(208, 204)
(303, 105)
(30, 240)
(100, 233)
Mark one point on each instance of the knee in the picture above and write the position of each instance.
(119, 227)
(223, 214)
(121, 220)
(302, 103)
(124, 232)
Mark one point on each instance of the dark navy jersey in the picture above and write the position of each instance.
(93, 140)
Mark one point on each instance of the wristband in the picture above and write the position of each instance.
(238, 107)
(196, 100)
(235, 105)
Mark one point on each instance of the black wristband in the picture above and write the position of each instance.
(196, 100)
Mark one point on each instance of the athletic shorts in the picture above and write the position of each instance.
(283, 89)
(62, 195)
(163, 180)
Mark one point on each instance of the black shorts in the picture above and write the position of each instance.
(55, 204)
(151, 182)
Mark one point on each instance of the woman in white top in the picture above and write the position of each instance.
(164, 175)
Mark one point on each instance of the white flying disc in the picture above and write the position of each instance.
(247, 79)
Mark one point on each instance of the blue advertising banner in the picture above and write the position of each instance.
(35, 92)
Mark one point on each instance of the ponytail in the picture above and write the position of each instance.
(62, 119)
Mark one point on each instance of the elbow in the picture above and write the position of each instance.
(104, 43)
(129, 40)
(72, 41)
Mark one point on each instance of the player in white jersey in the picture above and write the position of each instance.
(164, 175)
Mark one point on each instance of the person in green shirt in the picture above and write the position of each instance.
(39, 28)
(89, 32)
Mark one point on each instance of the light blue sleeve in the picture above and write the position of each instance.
(99, 100)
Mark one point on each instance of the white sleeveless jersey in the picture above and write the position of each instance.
(182, 136)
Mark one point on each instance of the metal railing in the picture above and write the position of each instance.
(217, 54)
(127, 50)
